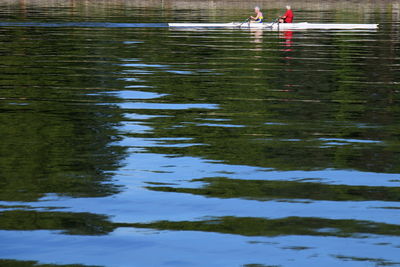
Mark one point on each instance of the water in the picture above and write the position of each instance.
(127, 143)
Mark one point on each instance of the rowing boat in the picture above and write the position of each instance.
(276, 26)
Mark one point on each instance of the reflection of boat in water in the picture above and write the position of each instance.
(288, 35)
(257, 34)
(276, 26)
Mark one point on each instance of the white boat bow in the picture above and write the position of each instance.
(276, 26)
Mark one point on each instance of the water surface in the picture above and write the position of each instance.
(127, 143)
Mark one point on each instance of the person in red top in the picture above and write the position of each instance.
(288, 17)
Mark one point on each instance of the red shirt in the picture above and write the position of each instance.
(288, 16)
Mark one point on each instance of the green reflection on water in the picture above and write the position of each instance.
(93, 224)
(55, 138)
(275, 227)
(376, 261)
(290, 190)
(285, 104)
(68, 223)
(15, 263)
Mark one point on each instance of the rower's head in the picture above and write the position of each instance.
(257, 9)
(288, 7)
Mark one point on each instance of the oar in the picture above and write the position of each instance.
(247, 20)
(273, 22)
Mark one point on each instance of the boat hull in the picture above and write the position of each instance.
(275, 26)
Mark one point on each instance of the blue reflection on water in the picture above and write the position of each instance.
(83, 24)
(128, 245)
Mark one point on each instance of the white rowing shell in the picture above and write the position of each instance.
(275, 26)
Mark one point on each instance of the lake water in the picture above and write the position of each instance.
(127, 143)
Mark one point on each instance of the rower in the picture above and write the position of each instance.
(288, 17)
(259, 15)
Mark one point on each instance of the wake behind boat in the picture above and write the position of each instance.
(276, 25)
